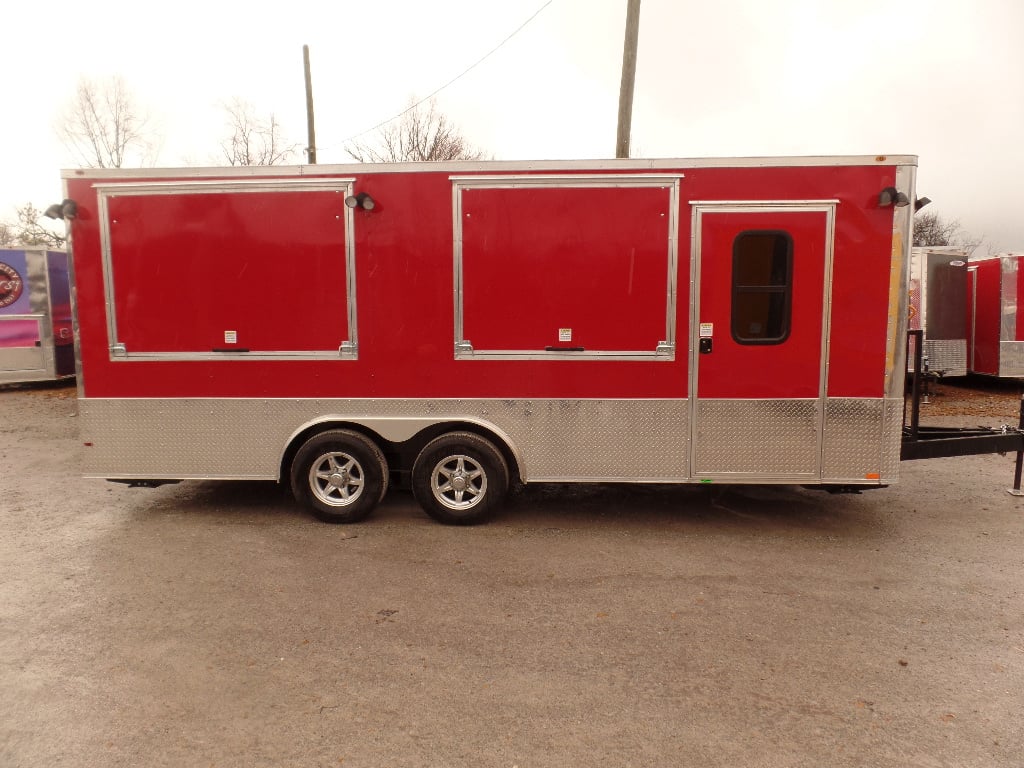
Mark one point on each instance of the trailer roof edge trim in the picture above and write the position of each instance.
(490, 165)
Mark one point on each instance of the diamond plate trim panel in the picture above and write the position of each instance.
(1011, 358)
(862, 437)
(892, 439)
(946, 356)
(851, 448)
(757, 438)
(556, 440)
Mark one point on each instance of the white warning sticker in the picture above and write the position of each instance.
(707, 330)
(565, 334)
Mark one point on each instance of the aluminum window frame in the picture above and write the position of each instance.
(665, 350)
(348, 349)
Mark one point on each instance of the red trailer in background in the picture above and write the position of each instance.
(466, 326)
(996, 339)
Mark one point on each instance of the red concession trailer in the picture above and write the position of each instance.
(938, 307)
(468, 326)
(995, 338)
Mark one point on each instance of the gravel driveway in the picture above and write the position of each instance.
(216, 624)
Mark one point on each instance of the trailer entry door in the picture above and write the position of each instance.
(758, 348)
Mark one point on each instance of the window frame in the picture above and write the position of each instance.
(348, 348)
(664, 351)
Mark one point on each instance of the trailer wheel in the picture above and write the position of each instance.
(340, 475)
(460, 478)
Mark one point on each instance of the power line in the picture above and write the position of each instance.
(454, 79)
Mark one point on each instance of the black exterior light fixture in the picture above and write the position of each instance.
(361, 200)
(890, 196)
(67, 209)
(920, 203)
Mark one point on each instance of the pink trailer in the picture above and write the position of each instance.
(36, 340)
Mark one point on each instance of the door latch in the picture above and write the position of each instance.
(705, 346)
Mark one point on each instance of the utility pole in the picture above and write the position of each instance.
(311, 133)
(628, 78)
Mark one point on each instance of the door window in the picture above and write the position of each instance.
(762, 281)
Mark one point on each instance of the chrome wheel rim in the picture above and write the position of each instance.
(458, 482)
(337, 479)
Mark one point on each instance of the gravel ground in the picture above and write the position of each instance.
(215, 624)
(993, 399)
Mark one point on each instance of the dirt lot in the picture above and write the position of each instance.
(996, 400)
(215, 624)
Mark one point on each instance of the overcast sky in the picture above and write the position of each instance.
(943, 80)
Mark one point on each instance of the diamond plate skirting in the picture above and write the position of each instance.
(892, 439)
(606, 440)
(853, 429)
(553, 440)
(757, 437)
(862, 438)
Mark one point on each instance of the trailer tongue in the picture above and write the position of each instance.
(931, 442)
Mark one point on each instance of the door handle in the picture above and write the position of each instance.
(705, 346)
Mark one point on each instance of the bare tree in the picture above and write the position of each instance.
(105, 127)
(421, 133)
(28, 229)
(930, 229)
(254, 141)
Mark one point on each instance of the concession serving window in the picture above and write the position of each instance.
(568, 267)
(226, 270)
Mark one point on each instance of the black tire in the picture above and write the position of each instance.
(340, 475)
(460, 478)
